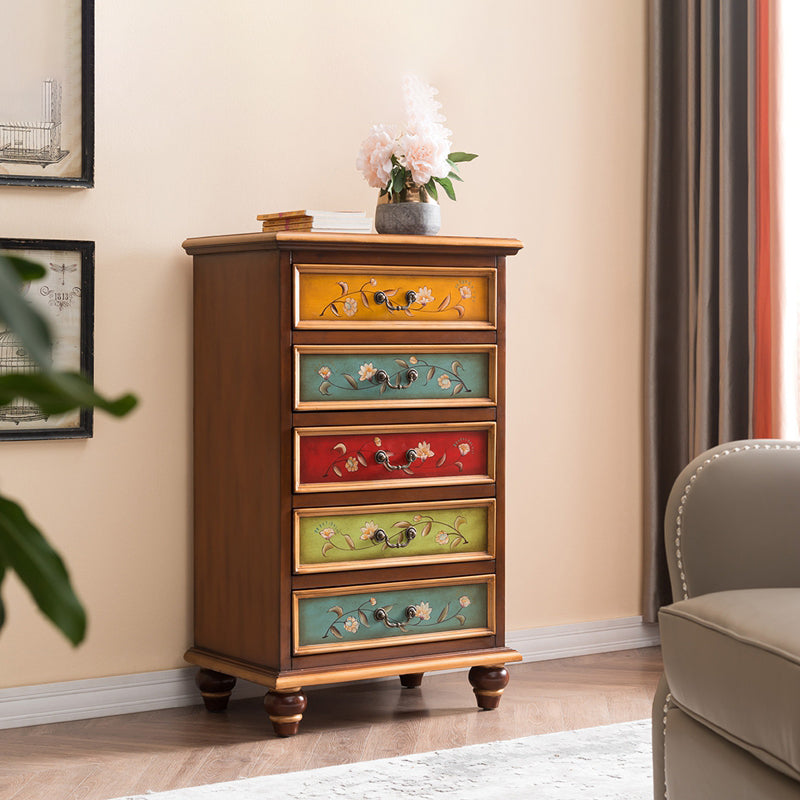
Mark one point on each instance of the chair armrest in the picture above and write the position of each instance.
(733, 519)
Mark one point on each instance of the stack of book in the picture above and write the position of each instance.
(329, 221)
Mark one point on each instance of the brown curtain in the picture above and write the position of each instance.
(700, 248)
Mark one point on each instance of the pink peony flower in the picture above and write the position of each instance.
(375, 157)
(418, 99)
(425, 153)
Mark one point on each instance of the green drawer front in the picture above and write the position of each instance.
(378, 375)
(357, 537)
(353, 618)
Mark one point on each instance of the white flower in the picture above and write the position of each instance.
(464, 448)
(368, 530)
(324, 372)
(350, 306)
(444, 382)
(351, 625)
(423, 451)
(418, 99)
(424, 296)
(375, 157)
(423, 610)
(366, 371)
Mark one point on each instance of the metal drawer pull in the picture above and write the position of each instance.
(381, 298)
(382, 376)
(381, 615)
(382, 457)
(380, 536)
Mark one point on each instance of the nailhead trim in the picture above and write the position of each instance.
(667, 701)
(688, 488)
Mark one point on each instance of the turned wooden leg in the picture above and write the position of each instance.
(412, 680)
(285, 709)
(488, 684)
(216, 688)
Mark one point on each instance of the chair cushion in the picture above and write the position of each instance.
(732, 660)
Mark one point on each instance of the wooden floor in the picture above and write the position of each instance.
(99, 759)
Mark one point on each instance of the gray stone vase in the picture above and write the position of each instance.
(408, 218)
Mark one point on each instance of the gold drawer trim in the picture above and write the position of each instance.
(470, 633)
(489, 503)
(404, 322)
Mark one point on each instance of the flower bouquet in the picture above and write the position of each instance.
(410, 162)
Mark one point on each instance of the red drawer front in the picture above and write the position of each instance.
(351, 457)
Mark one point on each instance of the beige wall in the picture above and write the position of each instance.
(209, 113)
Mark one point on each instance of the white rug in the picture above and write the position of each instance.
(612, 762)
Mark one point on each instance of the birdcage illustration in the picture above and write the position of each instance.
(14, 358)
(36, 142)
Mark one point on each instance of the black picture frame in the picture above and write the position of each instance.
(28, 150)
(69, 282)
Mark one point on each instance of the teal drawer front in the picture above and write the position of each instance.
(326, 620)
(372, 376)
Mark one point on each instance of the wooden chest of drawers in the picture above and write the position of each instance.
(348, 462)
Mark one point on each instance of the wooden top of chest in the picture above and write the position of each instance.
(291, 240)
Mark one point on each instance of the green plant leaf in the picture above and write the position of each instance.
(26, 270)
(19, 315)
(430, 188)
(398, 180)
(40, 568)
(454, 176)
(2, 607)
(459, 156)
(59, 392)
(447, 186)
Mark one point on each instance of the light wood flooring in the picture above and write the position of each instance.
(111, 757)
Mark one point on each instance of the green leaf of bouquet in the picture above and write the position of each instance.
(398, 181)
(17, 314)
(40, 568)
(447, 186)
(459, 156)
(455, 176)
(59, 392)
(430, 188)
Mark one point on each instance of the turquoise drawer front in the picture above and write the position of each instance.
(378, 375)
(353, 618)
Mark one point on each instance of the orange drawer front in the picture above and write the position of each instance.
(391, 456)
(348, 296)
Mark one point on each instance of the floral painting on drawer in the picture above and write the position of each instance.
(350, 296)
(363, 377)
(328, 459)
(392, 614)
(355, 537)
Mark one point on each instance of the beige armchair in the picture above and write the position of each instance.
(726, 717)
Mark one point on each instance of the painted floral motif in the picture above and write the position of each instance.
(366, 453)
(347, 301)
(449, 378)
(351, 621)
(366, 372)
(448, 535)
(422, 610)
(424, 295)
(351, 625)
(368, 530)
(423, 451)
(350, 306)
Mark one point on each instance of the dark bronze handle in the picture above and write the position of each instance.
(382, 457)
(381, 298)
(382, 376)
(380, 536)
(381, 615)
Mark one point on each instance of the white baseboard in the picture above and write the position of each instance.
(148, 691)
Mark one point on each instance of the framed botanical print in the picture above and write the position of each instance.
(47, 93)
(65, 297)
